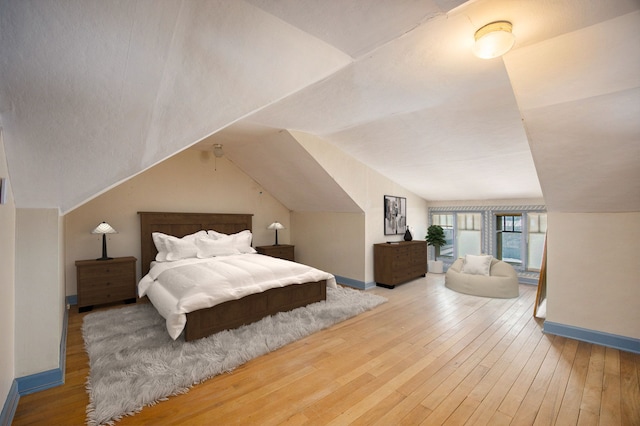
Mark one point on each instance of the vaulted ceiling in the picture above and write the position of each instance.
(94, 92)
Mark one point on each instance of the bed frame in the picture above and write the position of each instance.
(234, 313)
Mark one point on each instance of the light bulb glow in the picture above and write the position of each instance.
(493, 40)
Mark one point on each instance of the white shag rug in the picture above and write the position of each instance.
(134, 363)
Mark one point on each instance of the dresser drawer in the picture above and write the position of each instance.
(114, 282)
(102, 271)
(105, 281)
(107, 292)
(283, 251)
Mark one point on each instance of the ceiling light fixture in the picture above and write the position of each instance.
(493, 40)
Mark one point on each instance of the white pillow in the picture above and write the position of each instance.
(208, 247)
(180, 248)
(215, 234)
(193, 237)
(159, 239)
(161, 242)
(477, 265)
(242, 241)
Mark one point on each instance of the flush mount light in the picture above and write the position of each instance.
(493, 40)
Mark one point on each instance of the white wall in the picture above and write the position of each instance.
(187, 182)
(333, 242)
(417, 215)
(339, 242)
(39, 296)
(593, 271)
(7, 282)
(367, 188)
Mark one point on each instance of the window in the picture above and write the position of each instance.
(520, 239)
(446, 222)
(468, 233)
(514, 234)
(462, 231)
(537, 231)
(509, 238)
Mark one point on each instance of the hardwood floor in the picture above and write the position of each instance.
(430, 356)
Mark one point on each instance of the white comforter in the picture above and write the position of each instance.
(176, 288)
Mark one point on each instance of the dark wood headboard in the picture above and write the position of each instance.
(181, 224)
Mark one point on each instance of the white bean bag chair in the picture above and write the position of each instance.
(482, 276)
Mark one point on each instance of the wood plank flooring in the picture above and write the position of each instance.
(430, 356)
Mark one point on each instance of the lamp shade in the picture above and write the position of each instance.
(104, 228)
(493, 40)
(276, 226)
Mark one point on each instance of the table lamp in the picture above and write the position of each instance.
(104, 228)
(276, 225)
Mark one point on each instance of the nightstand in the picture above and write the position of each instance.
(283, 251)
(106, 281)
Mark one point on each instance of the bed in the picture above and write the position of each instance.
(232, 313)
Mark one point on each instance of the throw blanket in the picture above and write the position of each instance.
(176, 288)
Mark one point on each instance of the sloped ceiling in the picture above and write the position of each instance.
(282, 166)
(93, 92)
(583, 127)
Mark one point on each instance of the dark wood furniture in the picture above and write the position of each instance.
(105, 281)
(396, 263)
(234, 313)
(283, 251)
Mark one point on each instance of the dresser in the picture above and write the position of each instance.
(105, 281)
(283, 251)
(396, 263)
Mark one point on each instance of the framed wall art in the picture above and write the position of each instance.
(395, 215)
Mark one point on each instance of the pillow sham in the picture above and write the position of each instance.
(242, 241)
(477, 265)
(160, 240)
(208, 247)
(193, 237)
(178, 248)
(215, 234)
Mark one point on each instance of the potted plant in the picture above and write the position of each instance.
(435, 237)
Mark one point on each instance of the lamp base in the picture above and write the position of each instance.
(104, 249)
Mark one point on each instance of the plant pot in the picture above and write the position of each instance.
(434, 266)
